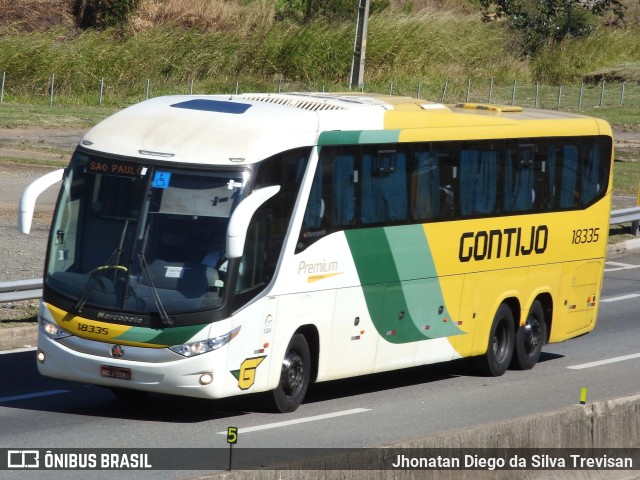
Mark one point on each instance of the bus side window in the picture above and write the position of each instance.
(342, 193)
(563, 176)
(331, 203)
(384, 187)
(253, 270)
(591, 174)
(478, 181)
(315, 206)
(519, 174)
(425, 186)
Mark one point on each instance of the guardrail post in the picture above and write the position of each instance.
(4, 77)
(580, 95)
(53, 81)
(559, 97)
(490, 90)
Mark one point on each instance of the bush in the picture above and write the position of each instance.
(104, 13)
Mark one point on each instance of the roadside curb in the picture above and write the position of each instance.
(624, 246)
(18, 337)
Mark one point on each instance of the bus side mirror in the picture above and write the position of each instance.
(31, 194)
(241, 217)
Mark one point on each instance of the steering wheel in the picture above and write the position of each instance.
(102, 268)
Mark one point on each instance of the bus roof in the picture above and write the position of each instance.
(232, 129)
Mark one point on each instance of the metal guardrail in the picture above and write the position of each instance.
(624, 215)
(29, 289)
(631, 214)
(20, 290)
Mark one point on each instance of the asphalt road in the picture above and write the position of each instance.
(36, 412)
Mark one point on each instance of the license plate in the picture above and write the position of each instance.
(115, 372)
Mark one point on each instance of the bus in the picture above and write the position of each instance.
(211, 246)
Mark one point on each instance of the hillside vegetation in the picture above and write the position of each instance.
(216, 43)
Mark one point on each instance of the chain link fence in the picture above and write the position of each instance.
(106, 91)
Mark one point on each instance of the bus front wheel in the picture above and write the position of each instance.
(501, 344)
(530, 338)
(294, 377)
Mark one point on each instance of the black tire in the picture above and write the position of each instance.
(530, 338)
(501, 344)
(295, 376)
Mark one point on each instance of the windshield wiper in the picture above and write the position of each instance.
(164, 317)
(99, 272)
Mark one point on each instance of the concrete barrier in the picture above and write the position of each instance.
(607, 424)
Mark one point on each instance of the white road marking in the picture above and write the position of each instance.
(32, 395)
(621, 297)
(619, 266)
(605, 362)
(298, 420)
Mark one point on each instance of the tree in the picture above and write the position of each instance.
(541, 22)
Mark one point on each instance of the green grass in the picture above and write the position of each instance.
(626, 177)
(429, 48)
(19, 115)
(39, 162)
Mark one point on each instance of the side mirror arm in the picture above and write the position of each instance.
(241, 217)
(31, 194)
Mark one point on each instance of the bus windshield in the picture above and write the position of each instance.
(147, 239)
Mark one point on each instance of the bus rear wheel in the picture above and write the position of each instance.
(294, 377)
(530, 338)
(501, 344)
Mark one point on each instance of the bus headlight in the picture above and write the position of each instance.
(203, 346)
(52, 330)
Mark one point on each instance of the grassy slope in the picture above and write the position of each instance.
(215, 42)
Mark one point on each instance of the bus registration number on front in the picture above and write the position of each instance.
(115, 372)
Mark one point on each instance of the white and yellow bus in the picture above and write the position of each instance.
(211, 246)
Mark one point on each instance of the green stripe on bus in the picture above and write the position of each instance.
(339, 138)
(419, 280)
(355, 137)
(400, 285)
(167, 337)
(380, 136)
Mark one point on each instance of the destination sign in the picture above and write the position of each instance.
(120, 169)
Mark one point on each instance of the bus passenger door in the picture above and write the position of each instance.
(398, 335)
(581, 296)
(446, 327)
(353, 337)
